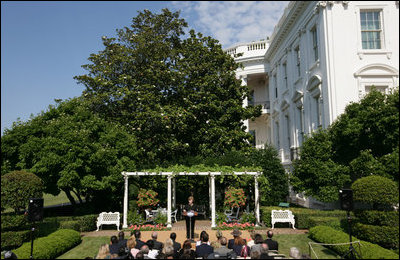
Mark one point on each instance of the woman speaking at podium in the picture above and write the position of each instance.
(190, 213)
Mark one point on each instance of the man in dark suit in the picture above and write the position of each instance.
(114, 246)
(177, 246)
(272, 244)
(121, 239)
(203, 250)
(139, 243)
(157, 245)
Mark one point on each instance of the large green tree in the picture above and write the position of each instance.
(363, 141)
(179, 96)
(73, 150)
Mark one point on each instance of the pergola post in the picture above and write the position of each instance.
(257, 200)
(173, 193)
(125, 220)
(169, 202)
(213, 200)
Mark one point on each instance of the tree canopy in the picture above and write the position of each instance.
(71, 149)
(178, 96)
(363, 141)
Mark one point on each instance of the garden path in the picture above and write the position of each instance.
(180, 230)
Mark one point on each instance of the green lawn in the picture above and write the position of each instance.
(91, 245)
(301, 242)
(88, 247)
(50, 200)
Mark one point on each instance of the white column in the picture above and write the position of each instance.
(173, 193)
(257, 200)
(213, 201)
(169, 202)
(245, 101)
(125, 220)
(209, 193)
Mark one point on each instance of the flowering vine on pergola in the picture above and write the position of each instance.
(171, 191)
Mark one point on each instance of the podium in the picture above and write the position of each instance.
(190, 214)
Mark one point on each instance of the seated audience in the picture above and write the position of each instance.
(104, 251)
(131, 243)
(144, 251)
(139, 243)
(157, 245)
(264, 252)
(272, 244)
(258, 240)
(177, 246)
(200, 238)
(223, 251)
(152, 251)
(187, 250)
(255, 254)
(294, 252)
(251, 243)
(236, 233)
(168, 252)
(240, 248)
(10, 255)
(139, 255)
(114, 246)
(121, 239)
(204, 249)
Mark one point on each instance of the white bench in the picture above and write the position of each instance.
(282, 216)
(108, 218)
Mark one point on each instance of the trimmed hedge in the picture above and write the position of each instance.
(51, 246)
(302, 216)
(378, 218)
(333, 222)
(387, 237)
(328, 235)
(14, 222)
(14, 239)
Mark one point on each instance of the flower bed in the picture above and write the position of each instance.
(148, 227)
(243, 226)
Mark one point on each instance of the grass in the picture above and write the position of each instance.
(50, 200)
(300, 241)
(91, 245)
(88, 247)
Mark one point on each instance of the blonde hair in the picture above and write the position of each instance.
(169, 242)
(191, 198)
(104, 251)
(131, 243)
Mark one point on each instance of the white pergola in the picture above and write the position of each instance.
(171, 191)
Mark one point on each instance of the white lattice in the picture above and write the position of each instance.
(108, 218)
(285, 216)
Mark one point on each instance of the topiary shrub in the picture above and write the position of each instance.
(51, 246)
(328, 235)
(387, 237)
(248, 217)
(17, 187)
(376, 190)
(70, 224)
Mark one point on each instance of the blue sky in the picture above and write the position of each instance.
(44, 44)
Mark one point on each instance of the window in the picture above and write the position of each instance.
(315, 42)
(371, 29)
(381, 89)
(277, 135)
(251, 99)
(297, 52)
(276, 86)
(301, 131)
(285, 74)
(288, 131)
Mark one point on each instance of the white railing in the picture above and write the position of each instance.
(257, 46)
(231, 51)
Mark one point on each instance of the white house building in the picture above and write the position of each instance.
(321, 56)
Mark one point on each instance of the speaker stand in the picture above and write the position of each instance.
(32, 234)
(352, 251)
